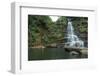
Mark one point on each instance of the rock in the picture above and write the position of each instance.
(74, 53)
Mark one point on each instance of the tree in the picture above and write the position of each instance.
(42, 30)
(37, 29)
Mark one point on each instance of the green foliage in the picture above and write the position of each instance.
(37, 28)
(42, 30)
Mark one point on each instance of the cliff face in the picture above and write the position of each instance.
(81, 29)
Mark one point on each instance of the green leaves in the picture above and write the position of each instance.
(42, 30)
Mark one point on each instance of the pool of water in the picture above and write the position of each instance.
(51, 54)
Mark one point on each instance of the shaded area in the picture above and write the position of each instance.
(64, 38)
(52, 54)
(43, 31)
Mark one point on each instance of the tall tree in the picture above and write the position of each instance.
(37, 28)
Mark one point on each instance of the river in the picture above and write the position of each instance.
(52, 54)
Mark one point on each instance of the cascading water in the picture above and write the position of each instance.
(71, 39)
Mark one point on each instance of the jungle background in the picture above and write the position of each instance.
(43, 31)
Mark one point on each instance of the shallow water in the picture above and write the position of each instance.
(52, 54)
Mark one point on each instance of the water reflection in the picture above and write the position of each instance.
(52, 54)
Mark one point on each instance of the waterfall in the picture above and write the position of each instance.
(72, 40)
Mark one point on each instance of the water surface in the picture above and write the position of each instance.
(51, 54)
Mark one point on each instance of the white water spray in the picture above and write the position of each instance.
(72, 40)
